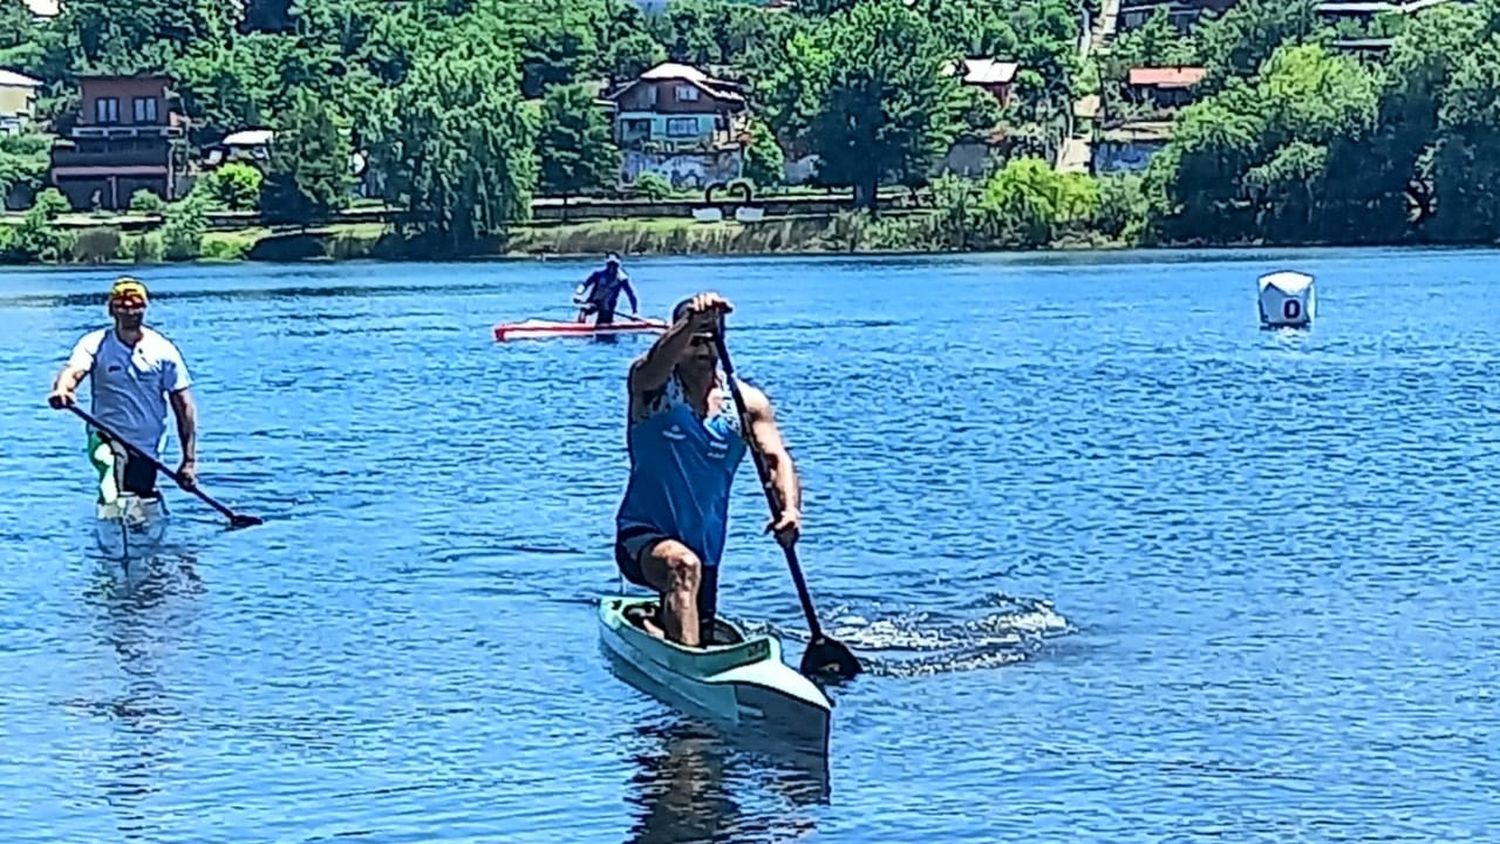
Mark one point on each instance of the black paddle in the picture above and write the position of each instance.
(823, 655)
(236, 520)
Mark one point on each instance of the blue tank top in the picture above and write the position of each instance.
(681, 470)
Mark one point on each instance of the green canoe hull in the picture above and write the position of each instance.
(744, 685)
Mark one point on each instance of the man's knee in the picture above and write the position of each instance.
(681, 568)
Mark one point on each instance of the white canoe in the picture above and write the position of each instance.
(130, 525)
(743, 683)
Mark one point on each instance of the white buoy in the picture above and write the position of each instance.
(1287, 300)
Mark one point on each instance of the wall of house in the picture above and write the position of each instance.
(684, 170)
(124, 90)
(15, 100)
(112, 192)
(702, 124)
(670, 97)
(965, 158)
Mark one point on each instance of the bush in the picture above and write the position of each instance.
(38, 239)
(97, 245)
(235, 186)
(225, 249)
(1122, 207)
(146, 201)
(1028, 203)
(652, 187)
(50, 203)
(182, 236)
(144, 249)
(764, 161)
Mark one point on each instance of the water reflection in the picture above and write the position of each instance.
(696, 785)
(141, 623)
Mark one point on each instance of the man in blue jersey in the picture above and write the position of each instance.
(685, 440)
(601, 291)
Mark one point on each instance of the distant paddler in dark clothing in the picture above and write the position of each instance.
(600, 292)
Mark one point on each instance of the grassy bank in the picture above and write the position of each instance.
(839, 233)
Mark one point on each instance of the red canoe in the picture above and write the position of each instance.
(537, 329)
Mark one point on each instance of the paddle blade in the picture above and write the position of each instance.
(830, 658)
(240, 520)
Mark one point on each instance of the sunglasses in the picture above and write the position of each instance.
(701, 340)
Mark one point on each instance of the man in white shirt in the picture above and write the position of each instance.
(137, 373)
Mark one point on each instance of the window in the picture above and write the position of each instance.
(682, 127)
(145, 109)
(687, 93)
(107, 110)
(635, 129)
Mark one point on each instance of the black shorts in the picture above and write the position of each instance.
(140, 478)
(633, 543)
(137, 475)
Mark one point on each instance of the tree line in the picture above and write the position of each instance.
(1297, 139)
(469, 108)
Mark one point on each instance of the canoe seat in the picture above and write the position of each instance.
(724, 633)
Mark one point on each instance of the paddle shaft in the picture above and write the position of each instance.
(160, 466)
(768, 485)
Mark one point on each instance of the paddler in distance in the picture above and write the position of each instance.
(136, 373)
(685, 444)
(600, 292)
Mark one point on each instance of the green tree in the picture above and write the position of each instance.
(764, 161)
(1237, 43)
(886, 109)
(576, 144)
(24, 159)
(235, 186)
(1252, 161)
(462, 157)
(790, 91)
(1467, 161)
(309, 175)
(143, 35)
(23, 37)
(186, 223)
(1027, 203)
(633, 55)
(558, 42)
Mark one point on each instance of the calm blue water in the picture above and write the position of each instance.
(1124, 567)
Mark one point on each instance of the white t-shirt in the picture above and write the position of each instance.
(131, 383)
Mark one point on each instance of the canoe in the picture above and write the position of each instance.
(130, 524)
(537, 329)
(738, 681)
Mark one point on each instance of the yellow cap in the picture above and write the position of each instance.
(128, 288)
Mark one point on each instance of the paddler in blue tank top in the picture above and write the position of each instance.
(685, 444)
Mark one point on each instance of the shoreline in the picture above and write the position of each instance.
(635, 237)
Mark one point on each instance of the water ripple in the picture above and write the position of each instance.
(1122, 565)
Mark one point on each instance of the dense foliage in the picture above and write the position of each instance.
(1297, 140)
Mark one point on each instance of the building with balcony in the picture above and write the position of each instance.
(126, 136)
(678, 122)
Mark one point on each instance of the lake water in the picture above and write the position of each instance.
(1123, 566)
